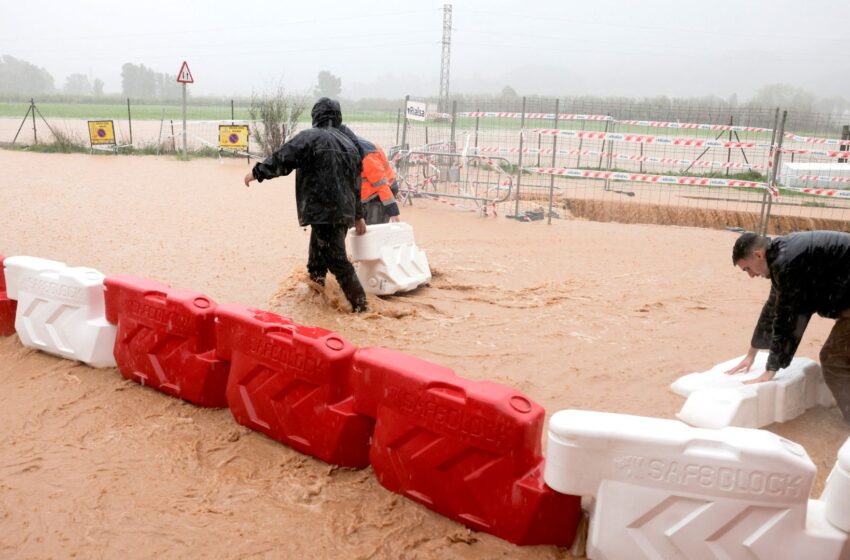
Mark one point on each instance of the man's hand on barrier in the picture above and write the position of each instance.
(360, 226)
(745, 364)
(766, 376)
(395, 219)
(248, 178)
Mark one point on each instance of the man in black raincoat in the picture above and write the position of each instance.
(327, 193)
(809, 273)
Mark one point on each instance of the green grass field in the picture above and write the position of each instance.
(139, 112)
(86, 111)
(155, 112)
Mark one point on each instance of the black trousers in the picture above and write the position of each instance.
(327, 252)
(374, 212)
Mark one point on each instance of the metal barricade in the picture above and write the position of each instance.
(476, 181)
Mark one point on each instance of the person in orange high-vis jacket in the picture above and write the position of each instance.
(379, 186)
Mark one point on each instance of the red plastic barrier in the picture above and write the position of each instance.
(166, 339)
(7, 306)
(292, 383)
(469, 450)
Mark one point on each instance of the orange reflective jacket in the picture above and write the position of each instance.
(378, 177)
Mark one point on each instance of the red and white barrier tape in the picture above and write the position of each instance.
(626, 157)
(817, 153)
(824, 178)
(647, 139)
(535, 116)
(654, 124)
(579, 117)
(481, 210)
(820, 192)
(813, 140)
(643, 178)
(696, 126)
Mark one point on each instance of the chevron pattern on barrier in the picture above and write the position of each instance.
(469, 450)
(292, 383)
(166, 339)
(287, 400)
(60, 309)
(53, 327)
(685, 527)
(253, 381)
(168, 363)
(665, 490)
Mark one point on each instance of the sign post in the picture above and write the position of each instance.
(185, 77)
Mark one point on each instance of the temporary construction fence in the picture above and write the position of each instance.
(545, 158)
(475, 182)
(747, 172)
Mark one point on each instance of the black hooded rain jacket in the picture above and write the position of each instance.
(328, 164)
(809, 273)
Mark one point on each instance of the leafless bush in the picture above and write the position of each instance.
(275, 118)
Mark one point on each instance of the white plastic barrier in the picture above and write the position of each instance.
(388, 260)
(61, 309)
(836, 494)
(666, 490)
(717, 400)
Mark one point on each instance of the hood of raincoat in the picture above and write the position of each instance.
(326, 112)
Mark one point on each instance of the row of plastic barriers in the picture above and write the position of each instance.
(470, 450)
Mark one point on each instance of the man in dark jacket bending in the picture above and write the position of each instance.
(809, 273)
(327, 193)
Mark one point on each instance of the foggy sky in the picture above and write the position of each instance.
(388, 49)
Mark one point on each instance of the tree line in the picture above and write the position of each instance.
(137, 80)
(140, 82)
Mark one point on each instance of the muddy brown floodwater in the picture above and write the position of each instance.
(580, 314)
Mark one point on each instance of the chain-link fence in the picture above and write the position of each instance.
(151, 128)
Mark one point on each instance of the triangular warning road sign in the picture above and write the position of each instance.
(185, 76)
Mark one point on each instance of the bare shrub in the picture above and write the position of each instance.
(275, 116)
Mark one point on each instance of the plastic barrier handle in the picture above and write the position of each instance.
(49, 273)
(447, 390)
(712, 449)
(281, 332)
(156, 297)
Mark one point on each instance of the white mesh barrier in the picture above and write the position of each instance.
(60, 309)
